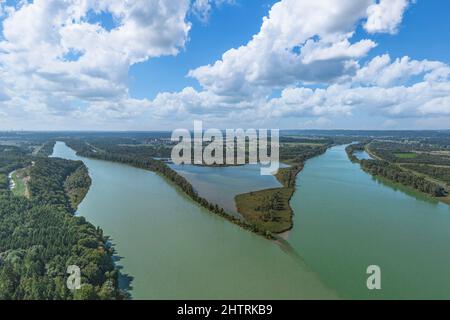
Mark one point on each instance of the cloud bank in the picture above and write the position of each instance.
(59, 60)
(305, 50)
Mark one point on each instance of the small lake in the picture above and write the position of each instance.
(362, 155)
(221, 184)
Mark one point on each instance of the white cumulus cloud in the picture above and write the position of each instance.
(55, 58)
(385, 16)
(305, 50)
(203, 8)
(299, 41)
(376, 89)
(58, 60)
(384, 72)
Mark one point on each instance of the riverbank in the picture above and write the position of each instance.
(267, 209)
(270, 209)
(236, 260)
(82, 149)
(383, 168)
(220, 185)
(365, 221)
(264, 212)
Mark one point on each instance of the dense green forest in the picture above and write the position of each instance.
(46, 149)
(11, 158)
(77, 185)
(58, 181)
(396, 174)
(47, 178)
(299, 153)
(40, 237)
(440, 173)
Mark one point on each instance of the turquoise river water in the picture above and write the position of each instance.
(345, 220)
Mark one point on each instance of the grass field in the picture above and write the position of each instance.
(20, 186)
(309, 144)
(406, 155)
(277, 219)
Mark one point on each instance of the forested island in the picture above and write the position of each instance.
(270, 209)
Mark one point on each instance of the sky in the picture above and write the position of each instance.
(161, 64)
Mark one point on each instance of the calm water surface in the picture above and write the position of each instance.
(221, 184)
(176, 250)
(362, 155)
(345, 220)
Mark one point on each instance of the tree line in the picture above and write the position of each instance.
(142, 157)
(396, 174)
(126, 156)
(439, 173)
(422, 153)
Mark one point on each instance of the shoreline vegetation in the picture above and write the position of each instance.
(380, 167)
(265, 213)
(270, 209)
(40, 236)
(77, 185)
(83, 149)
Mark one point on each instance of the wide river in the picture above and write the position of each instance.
(344, 221)
(174, 249)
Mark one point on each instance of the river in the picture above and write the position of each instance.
(176, 250)
(345, 220)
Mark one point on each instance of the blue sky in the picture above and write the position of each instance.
(229, 26)
(160, 64)
(422, 36)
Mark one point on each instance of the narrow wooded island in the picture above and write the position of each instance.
(270, 209)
